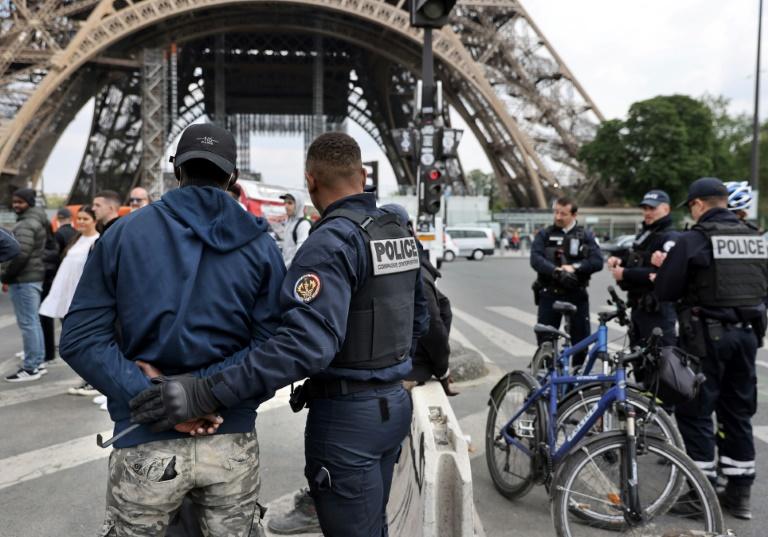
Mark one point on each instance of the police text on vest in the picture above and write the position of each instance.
(739, 247)
(394, 255)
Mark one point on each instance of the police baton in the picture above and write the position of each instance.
(102, 444)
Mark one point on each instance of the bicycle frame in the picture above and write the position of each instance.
(617, 393)
(599, 338)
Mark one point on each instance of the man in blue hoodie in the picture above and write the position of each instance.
(188, 285)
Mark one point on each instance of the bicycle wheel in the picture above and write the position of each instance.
(512, 470)
(580, 401)
(590, 487)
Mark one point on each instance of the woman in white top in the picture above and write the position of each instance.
(56, 304)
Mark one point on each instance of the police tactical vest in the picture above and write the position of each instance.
(561, 249)
(640, 256)
(380, 322)
(738, 273)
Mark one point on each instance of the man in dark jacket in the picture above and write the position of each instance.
(718, 273)
(633, 271)
(564, 256)
(192, 282)
(9, 246)
(24, 277)
(65, 232)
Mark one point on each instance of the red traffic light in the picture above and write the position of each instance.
(434, 175)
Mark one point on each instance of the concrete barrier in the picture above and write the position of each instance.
(432, 485)
(431, 493)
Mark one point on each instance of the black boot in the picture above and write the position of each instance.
(735, 500)
(302, 519)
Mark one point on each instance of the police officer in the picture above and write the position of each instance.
(718, 272)
(352, 309)
(633, 269)
(565, 255)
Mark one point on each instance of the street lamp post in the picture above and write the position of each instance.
(756, 119)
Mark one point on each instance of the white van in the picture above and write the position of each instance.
(473, 242)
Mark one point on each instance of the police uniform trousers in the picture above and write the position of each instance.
(580, 327)
(352, 443)
(730, 391)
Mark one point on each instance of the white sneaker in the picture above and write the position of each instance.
(43, 369)
(100, 399)
(23, 376)
(84, 389)
(20, 355)
(103, 406)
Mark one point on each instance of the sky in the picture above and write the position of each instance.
(620, 52)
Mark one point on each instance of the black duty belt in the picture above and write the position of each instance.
(327, 388)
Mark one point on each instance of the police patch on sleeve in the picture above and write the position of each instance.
(307, 288)
(390, 256)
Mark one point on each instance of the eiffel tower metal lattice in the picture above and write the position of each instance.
(154, 66)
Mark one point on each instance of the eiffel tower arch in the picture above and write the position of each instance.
(154, 66)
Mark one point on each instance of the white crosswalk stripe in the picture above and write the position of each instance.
(7, 320)
(503, 340)
(530, 320)
(62, 456)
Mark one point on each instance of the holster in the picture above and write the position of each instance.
(298, 400)
(536, 288)
(692, 337)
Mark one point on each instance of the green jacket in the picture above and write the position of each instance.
(28, 265)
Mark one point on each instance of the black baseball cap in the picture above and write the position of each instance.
(288, 196)
(207, 141)
(654, 198)
(705, 187)
(63, 213)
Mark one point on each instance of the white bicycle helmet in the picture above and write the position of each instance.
(739, 195)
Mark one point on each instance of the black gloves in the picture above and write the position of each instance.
(173, 400)
(567, 280)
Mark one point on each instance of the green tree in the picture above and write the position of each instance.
(484, 184)
(665, 142)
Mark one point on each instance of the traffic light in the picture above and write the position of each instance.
(431, 190)
(430, 13)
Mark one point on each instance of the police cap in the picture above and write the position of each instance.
(654, 198)
(705, 187)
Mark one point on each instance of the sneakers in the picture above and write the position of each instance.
(84, 389)
(99, 399)
(43, 369)
(22, 375)
(303, 518)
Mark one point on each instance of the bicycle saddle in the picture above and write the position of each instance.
(564, 307)
(546, 329)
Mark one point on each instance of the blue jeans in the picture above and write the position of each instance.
(26, 303)
(351, 446)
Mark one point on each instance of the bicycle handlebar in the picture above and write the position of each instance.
(652, 346)
(620, 313)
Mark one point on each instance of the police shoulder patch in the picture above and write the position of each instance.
(307, 287)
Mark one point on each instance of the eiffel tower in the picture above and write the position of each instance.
(278, 66)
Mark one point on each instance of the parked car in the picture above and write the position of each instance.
(473, 243)
(450, 250)
(619, 244)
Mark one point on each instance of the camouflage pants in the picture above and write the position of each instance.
(219, 473)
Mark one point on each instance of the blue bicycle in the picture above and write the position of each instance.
(575, 401)
(596, 344)
(626, 480)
